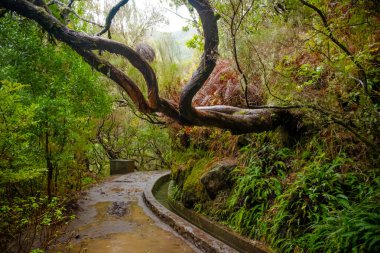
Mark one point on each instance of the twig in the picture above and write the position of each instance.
(111, 15)
(69, 9)
(179, 15)
(234, 28)
(144, 116)
(265, 75)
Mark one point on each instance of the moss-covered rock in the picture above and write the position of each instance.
(218, 178)
(193, 190)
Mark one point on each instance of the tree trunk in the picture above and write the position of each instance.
(49, 166)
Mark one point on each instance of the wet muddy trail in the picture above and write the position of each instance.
(113, 218)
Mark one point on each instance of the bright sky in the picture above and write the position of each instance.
(175, 22)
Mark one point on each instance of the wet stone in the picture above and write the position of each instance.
(118, 208)
(218, 178)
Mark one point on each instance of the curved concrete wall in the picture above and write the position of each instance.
(199, 237)
(202, 240)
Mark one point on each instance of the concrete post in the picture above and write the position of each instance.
(121, 166)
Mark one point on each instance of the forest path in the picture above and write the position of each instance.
(112, 217)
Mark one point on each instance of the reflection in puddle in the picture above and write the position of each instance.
(134, 232)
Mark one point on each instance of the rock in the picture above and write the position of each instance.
(146, 51)
(118, 208)
(218, 178)
(283, 136)
(189, 200)
(243, 140)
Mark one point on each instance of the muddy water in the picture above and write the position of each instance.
(113, 218)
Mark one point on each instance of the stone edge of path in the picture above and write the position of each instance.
(202, 240)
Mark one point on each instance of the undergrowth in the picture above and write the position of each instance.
(298, 197)
(27, 223)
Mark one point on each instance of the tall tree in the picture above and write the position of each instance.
(63, 106)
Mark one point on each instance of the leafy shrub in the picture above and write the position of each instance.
(30, 222)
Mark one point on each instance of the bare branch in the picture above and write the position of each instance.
(83, 19)
(69, 9)
(150, 118)
(265, 75)
(180, 16)
(111, 15)
(70, 4)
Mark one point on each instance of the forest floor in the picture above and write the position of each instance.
(112, 217)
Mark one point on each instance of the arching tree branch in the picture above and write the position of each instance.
(117, 76)
(235, 119)
(208, 59)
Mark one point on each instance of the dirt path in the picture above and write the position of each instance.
(113, 218)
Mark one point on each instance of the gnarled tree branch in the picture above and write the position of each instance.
(208, 59)
(235, 119)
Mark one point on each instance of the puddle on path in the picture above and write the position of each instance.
(118, 226)
(117, 190)
(136, 233)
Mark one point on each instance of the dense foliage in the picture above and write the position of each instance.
(59, 126)
(51, 102)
